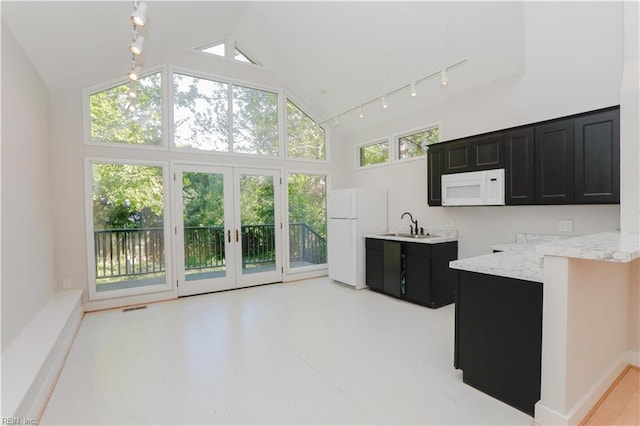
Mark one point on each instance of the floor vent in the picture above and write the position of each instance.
(134, 308)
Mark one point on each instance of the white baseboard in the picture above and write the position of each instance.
(633, 358)
(547, 416)
(30, 365)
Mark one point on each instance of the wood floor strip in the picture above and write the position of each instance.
(620, 404)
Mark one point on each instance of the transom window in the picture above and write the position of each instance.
(201, 117)
(374, 153)
(305, 138)
(415, 144)
(116, 117)
(221, 49)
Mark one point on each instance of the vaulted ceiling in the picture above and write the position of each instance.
(333, 56)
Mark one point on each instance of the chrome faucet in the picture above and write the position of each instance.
(415, 223)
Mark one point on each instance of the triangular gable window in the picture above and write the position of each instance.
(226, 49)
(217, 49)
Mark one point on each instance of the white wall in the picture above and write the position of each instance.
(573, 63)
(28, 271)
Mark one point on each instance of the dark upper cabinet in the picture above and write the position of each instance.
(457, 157)
(554, 162)
(435, 162)
(570, 160)
(597, 158)
(519, 166)
(488, 152)
(476, 153)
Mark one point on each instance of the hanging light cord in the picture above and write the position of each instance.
(359, 107)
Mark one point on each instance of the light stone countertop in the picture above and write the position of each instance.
(606, 246)
(517, 260)
(438, 235)
(519, 264)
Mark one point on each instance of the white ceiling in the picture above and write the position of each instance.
(332, 55)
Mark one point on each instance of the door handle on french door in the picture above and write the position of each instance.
(237, 236)
(229, 235)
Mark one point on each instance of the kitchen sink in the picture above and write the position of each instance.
(405, 235)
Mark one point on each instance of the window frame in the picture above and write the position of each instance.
(358, 147)
(230, 47)
(396, 142)
(231, 82)
(86, 111)
(300, 105)
(94, 295)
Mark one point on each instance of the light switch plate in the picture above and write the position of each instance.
(565, 225)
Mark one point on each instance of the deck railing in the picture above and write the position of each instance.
(137, 252)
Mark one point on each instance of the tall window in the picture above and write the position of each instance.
(307, 220)
(128, 226)
(373, 153)
(113, 121)
(306, 139)
(415, 144)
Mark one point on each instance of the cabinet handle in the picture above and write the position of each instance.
(229, 235)
(237, 237)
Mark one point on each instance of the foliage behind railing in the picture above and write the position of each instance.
(136, 252)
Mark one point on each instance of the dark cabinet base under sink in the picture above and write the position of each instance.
(416, 272)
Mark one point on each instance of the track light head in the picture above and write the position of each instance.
(413, 90)
(131, 107)
(138, 16)
(136, 45)
(336, 120)
(360, 112)
(134, 74)
(133, 90)
(385, 105)
(444, 80)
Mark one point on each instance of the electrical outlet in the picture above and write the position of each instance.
(66, 284)
(565, 225)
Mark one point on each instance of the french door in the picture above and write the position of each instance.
(228, 228)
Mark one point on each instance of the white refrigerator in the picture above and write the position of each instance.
(353, 213)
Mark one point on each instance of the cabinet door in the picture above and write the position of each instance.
(458, 157)
(554, 172)
(435, 161)
(417, 272)
(375, 264)
(488, 152)
(597, 157)
(392, 267)
(519, 165)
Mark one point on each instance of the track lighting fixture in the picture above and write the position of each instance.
(136, 45)
(132, 106)
(134, 74)
(133, 90)
(444, 80)
(139, 15)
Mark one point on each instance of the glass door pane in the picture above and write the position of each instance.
(204, 230)
(128, 229)
(258, 253)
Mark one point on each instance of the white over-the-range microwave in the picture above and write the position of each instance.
(483, 188)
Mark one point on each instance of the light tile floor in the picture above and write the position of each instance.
(309, 352)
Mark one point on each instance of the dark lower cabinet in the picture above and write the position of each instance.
(597, 158)
(498, 337)
(375, 264)
(416, 272)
